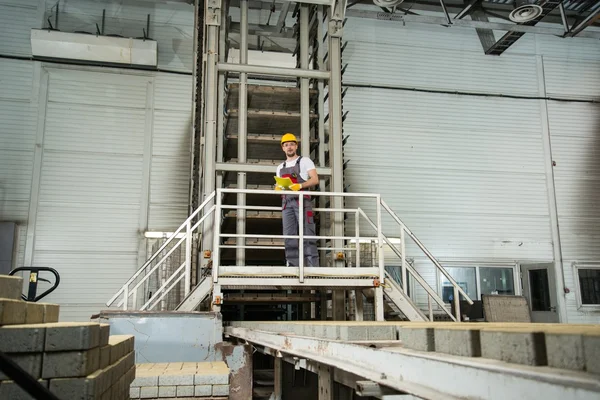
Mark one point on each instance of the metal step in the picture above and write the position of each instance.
(393, 294)
(196, 295)
(266, 97)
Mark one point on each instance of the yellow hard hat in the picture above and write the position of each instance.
(288, 137)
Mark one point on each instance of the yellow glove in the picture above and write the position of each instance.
(296, 186)
(277, 187)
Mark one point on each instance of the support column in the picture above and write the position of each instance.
(379, 304)
(304, 83)
(242, 134)
(278, 384)
(213, 21)
(335, 30)
(325, 382)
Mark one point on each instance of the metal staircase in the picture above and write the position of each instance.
(231, 247)
(364, 276)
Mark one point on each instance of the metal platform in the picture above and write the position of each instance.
(365, 357)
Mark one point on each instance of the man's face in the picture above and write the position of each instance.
(289, 148)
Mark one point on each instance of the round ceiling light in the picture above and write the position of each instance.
(387, 3)
(525, 13)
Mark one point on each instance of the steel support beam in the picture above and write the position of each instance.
(486, 36)
(325, 382)
(304, 83)
(511, 37)
(242, 134)
(467, 10)
(285, 8)
(463, 23)
(213, 21)
(276, 71)
(590, 19)
(335, 31)
(447, 377)
(261, 168)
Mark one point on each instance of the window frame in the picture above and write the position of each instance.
(576, 268)
(514, 267)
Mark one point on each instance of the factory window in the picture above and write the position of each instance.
(478, 280)
(589, 285)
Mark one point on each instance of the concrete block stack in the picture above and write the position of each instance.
(181, 380)
(73, 360)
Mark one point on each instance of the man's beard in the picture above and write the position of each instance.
(291, 153)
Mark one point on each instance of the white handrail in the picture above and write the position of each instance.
(430, 292)
(185, 224)
(427, 253)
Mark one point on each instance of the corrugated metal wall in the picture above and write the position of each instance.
(114, 154)
(463, 166)
(18, 127)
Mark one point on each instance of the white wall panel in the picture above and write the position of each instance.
(90, 191)
(572, 78)
(574, 129)
(17, 79)
(415, 67)
(17, 18)
(18, 128)
(171, 152)
(465, 185)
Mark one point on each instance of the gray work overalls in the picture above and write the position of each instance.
(290, 209)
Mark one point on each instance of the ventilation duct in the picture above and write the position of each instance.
(525, 11)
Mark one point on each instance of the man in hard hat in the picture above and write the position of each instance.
(303, 174)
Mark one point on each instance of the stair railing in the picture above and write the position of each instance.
(129, 291)
(408, 269)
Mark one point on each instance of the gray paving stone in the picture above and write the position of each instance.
(12, 312)
(591, 349)
(68, 336)
(149, 392)
(30, 362)
(9, 390)
(518, 347)
(458, 342)
(167, 391)
(90, 387)
(176, 379)
(565, 351)
(51, 312)
(418, 338)
(11, 287)
(141, 381)
(202, 390)
(70, 363)
(22, 338)
(134, 392)
(220, 390)
(183, 391)
(104, 334)
(34, 313)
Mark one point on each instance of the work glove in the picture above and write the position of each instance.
(277, 187)
(296, 186)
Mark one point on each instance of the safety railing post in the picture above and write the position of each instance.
(357, 235)
(125, 296)
(217, 237)
(456, 303)
(188, 258)
(380, 240)
(403, 251)
(430, 307)
(301, 233)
